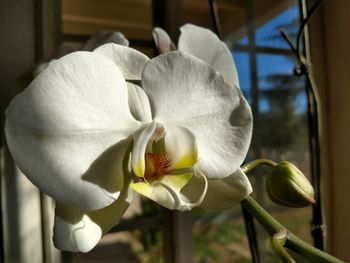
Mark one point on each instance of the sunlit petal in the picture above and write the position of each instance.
(66, 123)
(216, 113)
(129, 60)
(204, 44)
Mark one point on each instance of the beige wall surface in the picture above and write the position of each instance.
(330, 52)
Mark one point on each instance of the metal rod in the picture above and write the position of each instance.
(251, 234)
(256, 140)
(215, 17)
(314, 123)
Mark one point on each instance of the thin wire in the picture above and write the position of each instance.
(251, 233)
(297, 48)
(215, 17)
(314, 116)
(315, 124)
(303, 24)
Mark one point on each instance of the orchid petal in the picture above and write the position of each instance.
(221, 193)
(151, 131)
(162, 40)
(176, 181)
(155, 192)
(167, 191)
(227, 192)
(194, 192)
(141, 139)
(175, 184)
(139, 103)
(79, 231)
(217, 114)
(180, 144)
(129, 60)
(204, 44)
(71, 120)
(197, 195)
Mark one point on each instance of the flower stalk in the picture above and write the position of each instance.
(294, 243)
(281, 237)
(277, 243)
(255, 163)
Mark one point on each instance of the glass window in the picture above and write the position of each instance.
(265, 66)
(267, 33)
(243, 68)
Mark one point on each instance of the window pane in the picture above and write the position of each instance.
(243, 69)
(278, 99)
(268, 33)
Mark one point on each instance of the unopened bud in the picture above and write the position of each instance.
(288, 186)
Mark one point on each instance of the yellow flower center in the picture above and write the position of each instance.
(157, 165)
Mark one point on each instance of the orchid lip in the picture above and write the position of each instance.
(157, 165)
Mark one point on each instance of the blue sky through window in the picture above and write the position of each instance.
(268, 64)
(243, 68)
(268, 34)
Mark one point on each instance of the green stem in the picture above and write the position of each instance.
(272, 226)
(277, 243)
(253, 164)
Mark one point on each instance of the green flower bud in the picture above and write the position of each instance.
(287, 185)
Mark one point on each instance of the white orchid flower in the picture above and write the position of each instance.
(95, 126)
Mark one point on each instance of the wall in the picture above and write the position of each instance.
(330, 42)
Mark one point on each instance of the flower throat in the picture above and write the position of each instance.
(157, 165)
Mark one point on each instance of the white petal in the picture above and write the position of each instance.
(141, 139)
(151, 131)
(64, 129)
(204, 44)
(79, 231)
(197, 195)
(227, 192)
(139, 103)
(156, 192)
(129, 60)
(181, 145)
(162, 40)
(185, 91)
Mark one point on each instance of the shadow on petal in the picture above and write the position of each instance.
(241, 115)
(194, 189)
(107, 170)
(68, 213)
(79, 231)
